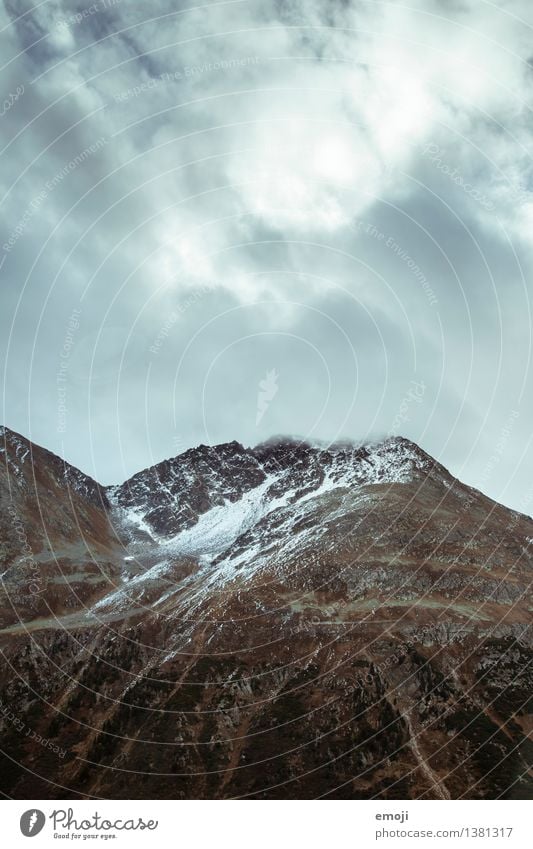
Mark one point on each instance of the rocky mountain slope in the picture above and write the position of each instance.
(57, 547)
(278, 622)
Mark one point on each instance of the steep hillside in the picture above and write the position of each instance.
(56, 542)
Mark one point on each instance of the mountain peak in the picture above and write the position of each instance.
(193, 488)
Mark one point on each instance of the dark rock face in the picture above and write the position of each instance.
(172, 495)
(282, 622)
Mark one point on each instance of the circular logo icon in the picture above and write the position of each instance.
(32, 822)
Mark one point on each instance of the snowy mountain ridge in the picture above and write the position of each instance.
(237, 511)
(235, 487)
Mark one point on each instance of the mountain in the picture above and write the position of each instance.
(57, 547)
(288, 621)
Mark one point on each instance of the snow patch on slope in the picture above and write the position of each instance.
(218, 528)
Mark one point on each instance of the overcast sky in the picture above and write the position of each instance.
(251, 218)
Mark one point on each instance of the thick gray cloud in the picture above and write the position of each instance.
(246, 218)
